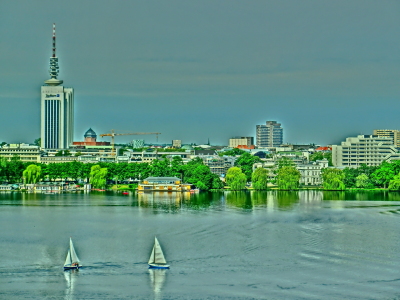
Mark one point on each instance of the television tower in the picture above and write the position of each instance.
(57, 108)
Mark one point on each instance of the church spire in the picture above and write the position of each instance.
(54, 63)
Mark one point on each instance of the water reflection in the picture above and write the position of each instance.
(172, 202)
(165, 201)
(157, 280)
(70, 278)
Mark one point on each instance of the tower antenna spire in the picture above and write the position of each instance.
(54, 39)
(54, 63)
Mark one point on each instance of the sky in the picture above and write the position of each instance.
(210, 69)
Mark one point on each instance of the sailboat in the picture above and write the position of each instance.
(72, 260)
(157, 259)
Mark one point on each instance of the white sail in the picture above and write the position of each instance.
(157, 256)
(74, 257)
(68, 259)
(151, 260)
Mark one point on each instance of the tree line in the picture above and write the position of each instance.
(194, 172)
(285, 176)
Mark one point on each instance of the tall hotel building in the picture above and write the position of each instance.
(57, 108)
(269, 135)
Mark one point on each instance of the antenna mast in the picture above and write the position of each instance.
(54, 39)
(54, 63)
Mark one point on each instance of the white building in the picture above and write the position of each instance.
(371, 150)
(310, 174)
(57, 109)
(26, 153)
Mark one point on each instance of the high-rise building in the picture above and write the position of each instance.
(269, 135)
(393, 134)
(57, 108)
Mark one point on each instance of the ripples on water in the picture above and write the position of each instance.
(238, 245)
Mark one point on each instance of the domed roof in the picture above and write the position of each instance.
(187, 147)
(90, 133)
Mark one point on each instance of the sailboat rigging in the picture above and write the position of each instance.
(157, 259)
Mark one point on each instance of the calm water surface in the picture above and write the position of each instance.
(266, 245)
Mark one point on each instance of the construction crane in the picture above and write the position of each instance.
(113, 134)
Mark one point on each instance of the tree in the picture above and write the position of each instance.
(246, 162)
(160, 168)
(333, 179)
(12, 170)
(394, 184)
(288, 178)
(383, 175)
(38, 142)
(259, 179)
(98, 176)
(285, 162)
(233, 152)
(63, 153)
(32, 174)
(321, 155)
(362, 181)
(236, 179)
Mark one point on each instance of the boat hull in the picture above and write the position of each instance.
(157, 266)
(71, 267)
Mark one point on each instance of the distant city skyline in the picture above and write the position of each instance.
(205, 70)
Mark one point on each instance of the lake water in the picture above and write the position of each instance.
(259, 245)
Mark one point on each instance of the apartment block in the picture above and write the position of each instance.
(371, 150)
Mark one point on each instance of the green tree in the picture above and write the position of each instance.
(236, 179)
(246, 162)
(383, 174)
(259, 179)
(321, 155)
(333, 179)
(232, 152)
(288, 178)
(12, 170)
(32, 174)
(63, 153)
(98, 176)
(198, 174)
(285, 162)
(160, 168)
(38, 142)
(362, 181)
(394, 184)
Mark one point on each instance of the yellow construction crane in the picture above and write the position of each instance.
(113, 134)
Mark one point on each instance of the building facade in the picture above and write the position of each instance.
(371, 150)
(25, 152)
(269, 135)
(57, 109)
(393, 134)
(241, 141)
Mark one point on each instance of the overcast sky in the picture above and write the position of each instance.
(194, 70)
